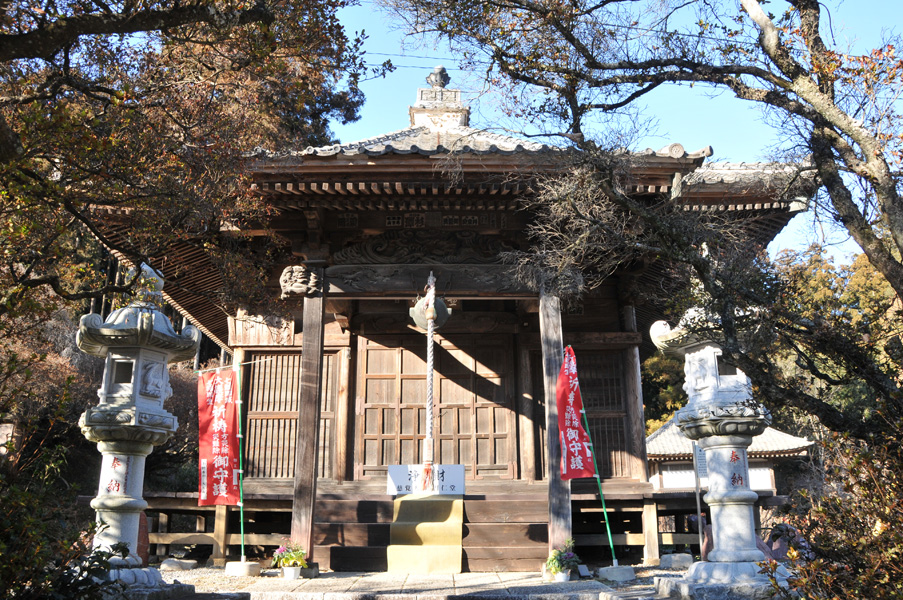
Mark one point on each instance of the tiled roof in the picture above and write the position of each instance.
(426, 140)
(668, 443)
(748, 177)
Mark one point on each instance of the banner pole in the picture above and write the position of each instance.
(592, 448)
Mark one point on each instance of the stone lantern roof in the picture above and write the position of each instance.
(140, 324)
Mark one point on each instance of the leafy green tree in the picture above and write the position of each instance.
(854, 298)
(663, 395)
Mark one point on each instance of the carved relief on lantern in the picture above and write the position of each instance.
(153, 382)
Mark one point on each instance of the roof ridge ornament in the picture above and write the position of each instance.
(439, 78)
(437, 107)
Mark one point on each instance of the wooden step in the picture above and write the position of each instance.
(353, 511)
(506, 534)
(351, 558)
(474, 534)
(505, 511)
(498, 558)
(474, 559)
(475, 511)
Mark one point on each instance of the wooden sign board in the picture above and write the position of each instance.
(408, 479)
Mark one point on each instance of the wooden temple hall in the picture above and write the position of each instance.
(336, 395)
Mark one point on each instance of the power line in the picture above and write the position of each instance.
(410, 56)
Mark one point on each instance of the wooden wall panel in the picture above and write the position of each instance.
(271, 447)
(539, 419)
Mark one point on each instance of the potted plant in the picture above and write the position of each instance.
(291, 558)
(562, 561)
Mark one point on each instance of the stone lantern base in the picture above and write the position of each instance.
(146, 584)
(720, 581)
(674, 587)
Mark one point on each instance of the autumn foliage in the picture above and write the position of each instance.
(131, 123)
(125, 128)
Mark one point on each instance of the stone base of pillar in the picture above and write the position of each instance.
(166, 592)
(719, 581)
(147, 584)
(679, 587)
(724, 572)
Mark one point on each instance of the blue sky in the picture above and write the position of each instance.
(693, 117)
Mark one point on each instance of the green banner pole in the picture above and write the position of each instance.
(592, 448)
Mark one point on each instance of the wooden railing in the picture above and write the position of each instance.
(162, 506)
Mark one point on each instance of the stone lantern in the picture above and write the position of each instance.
(722, 417)
(138, 343)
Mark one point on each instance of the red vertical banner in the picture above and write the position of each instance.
(218, 440)
(576, 448)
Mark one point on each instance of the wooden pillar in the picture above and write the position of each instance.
(341, 415)
(651, 556)
(307, 442)
(526, 413)
(636, 431)
(162, 526)
(636, 420)
(220, 534)
(552, 357)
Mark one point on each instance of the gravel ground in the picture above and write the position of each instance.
(214, 579)
(644, 578)
(207, 580)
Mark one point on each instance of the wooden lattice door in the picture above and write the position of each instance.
(474, 420)
(272, 390)
(601, 375)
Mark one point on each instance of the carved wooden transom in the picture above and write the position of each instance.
(424, 247)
